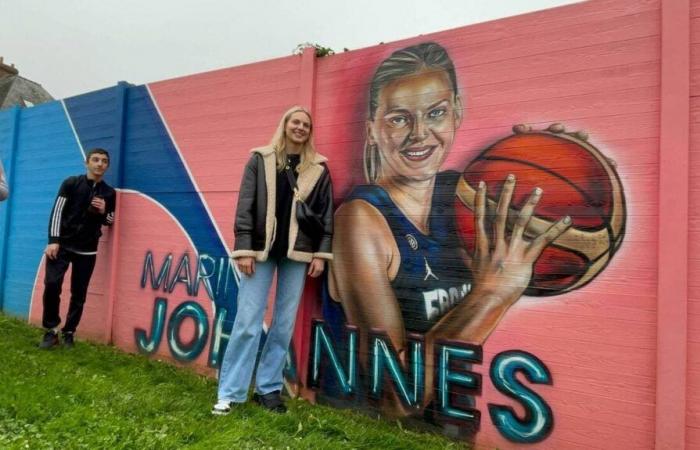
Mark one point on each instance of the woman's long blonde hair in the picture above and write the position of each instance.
(279, 142)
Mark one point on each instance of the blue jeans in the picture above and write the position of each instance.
(239, 359)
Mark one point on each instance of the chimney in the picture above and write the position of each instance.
(7, 71)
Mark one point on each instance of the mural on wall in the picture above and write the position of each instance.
(428, 261)
(446, 303)
(215, 277)
(186, 289)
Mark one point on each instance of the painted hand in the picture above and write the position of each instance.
(503, 271)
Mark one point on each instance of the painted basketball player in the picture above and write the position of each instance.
(399, 264)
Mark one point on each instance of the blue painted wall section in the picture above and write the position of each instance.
(8, 119)
(124, 120)
(45, 145)
(96, 118)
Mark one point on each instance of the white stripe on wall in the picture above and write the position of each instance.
(72, 127)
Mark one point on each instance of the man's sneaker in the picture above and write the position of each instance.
(271, 401)
(222, 408)
(50, 340)
(68, 341)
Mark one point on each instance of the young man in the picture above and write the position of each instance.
(84, 203)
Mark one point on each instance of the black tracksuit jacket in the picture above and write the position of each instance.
(72, 223)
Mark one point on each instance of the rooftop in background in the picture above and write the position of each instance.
(17, 90)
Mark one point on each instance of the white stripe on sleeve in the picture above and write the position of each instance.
(56, 219)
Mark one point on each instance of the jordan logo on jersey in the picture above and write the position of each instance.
(428, 271)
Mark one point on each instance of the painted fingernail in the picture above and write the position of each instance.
(567, 220)
(481, 184)
(538, 191)
(511, 177)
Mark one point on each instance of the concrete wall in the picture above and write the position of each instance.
(610, 364)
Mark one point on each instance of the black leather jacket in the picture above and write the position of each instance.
(255, 223)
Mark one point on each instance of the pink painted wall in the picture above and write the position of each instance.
(593, 66)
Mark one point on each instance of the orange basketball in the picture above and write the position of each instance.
(577, 181)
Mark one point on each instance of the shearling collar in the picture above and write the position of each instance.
(270, 150)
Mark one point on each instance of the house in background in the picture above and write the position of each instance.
(17, 90)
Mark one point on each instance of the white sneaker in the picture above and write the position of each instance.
(221, 408)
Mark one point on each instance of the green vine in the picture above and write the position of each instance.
(321, 51)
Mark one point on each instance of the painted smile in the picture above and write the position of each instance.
(418, 154)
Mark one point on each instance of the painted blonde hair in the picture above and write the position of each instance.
(279, 142)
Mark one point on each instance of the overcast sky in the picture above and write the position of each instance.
(76, 46)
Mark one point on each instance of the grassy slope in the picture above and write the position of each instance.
(97, 397)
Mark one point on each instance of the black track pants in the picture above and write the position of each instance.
(83, 266)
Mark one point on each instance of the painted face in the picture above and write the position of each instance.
(97, 164)
(415, 124)
(298, 128)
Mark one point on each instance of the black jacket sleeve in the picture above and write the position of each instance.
(110, 206)
(243, 227)
(56, 217)
(325, 198)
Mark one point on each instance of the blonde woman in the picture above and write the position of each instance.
(269, 238)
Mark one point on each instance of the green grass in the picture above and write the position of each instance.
(95, 396)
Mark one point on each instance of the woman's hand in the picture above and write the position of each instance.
(503, 271)
(246, 265)
(316, 267)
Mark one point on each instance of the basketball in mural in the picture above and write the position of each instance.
(577, 180)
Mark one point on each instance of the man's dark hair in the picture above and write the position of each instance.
(97, 150)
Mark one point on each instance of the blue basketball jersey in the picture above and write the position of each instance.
(432, 276)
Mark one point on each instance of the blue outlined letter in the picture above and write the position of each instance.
(539, 420)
